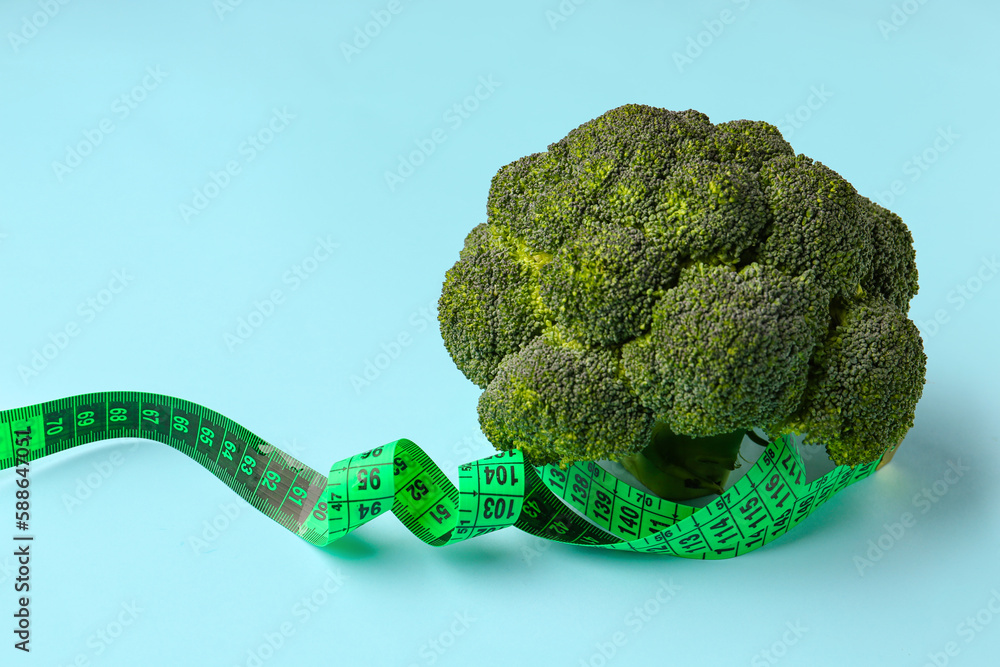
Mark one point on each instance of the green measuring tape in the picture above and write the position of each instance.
(493, 493)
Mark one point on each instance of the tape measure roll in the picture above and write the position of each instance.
(493, 493)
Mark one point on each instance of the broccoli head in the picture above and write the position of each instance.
(654, 286)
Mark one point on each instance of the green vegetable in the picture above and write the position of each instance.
(653, 286)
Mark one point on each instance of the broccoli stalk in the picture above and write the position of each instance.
(680, 467)
(653, 286)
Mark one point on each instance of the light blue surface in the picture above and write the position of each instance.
(336, 124)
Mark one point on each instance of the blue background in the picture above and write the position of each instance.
(891, 95)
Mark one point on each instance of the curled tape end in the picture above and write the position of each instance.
(889, 453)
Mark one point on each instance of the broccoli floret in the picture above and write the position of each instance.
(817, 222)
(487, 308)
(537, 201)
(728, 349)
(653, 286)
(868, 377)
(534, 404)
(708, 211)
(893, 271)
(748, 142)
(600, 286)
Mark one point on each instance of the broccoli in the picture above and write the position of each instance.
(654, 287)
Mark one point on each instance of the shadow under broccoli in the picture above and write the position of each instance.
(654, 286)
